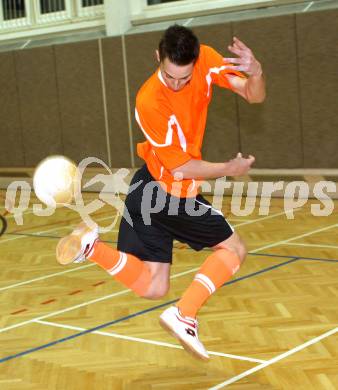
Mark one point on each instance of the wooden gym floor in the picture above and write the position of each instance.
(274, 326)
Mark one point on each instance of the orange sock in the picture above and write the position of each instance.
(216, 270)
(125, 268)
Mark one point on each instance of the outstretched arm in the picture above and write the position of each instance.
(200, 169)
(252, 88)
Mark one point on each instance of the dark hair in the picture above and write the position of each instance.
(180, 45)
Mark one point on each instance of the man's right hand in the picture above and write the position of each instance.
(239, 166)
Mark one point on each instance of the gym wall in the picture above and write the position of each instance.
(72, 98)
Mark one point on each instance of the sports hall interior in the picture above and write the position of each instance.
(68, 90)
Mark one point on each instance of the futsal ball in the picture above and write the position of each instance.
(54, 181)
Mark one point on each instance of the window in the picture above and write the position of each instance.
(13, 9)
(90, 3)
(49, 6)
(152, 2)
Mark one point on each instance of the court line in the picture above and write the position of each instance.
(254, 253)
(38, 234)
(238, 219)
(174, 276)
(147, 341)
(73, 270)
(46, 277)
(122, 292)
(296, 237)
(241, 224)
(268, 217)
(288, 256)
(105, 325)
(274, 360)
(128, 290)
(313, 245)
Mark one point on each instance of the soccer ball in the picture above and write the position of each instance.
(54, 181)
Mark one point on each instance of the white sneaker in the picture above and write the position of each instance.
(185, 329)
(78, 245)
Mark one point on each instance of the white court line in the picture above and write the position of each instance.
(50, 275)
(45, 277)
(147, 341)
(238, 219)
(274, 360)
(282, 242)
(37, 234)
(241, 224)
(312, 245)
(122, 292)
(102, 219)
(267, 217)
(64, 272)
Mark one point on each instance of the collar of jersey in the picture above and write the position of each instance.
(160, 77)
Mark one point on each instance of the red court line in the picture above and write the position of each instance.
(47, 302)
(98, 283)
(19, 311)
(75, 292)
(54, 300)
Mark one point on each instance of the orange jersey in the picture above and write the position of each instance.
(173, 123)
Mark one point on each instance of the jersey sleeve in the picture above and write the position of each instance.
(163, 132)
(215, 68)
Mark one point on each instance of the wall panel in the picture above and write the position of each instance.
(11, 145)
(272, 131)
(142, 63)
(39, 104)
(317, 34)
(81, 102)
(221, 140)
(116, 102)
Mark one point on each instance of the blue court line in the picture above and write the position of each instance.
(105, 325)
(287, 257)
(205, 249)
(325, 260)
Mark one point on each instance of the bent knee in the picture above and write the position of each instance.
(237, 246)
(242, 251)
(156, 293)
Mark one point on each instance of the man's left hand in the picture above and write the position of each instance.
(245, 62)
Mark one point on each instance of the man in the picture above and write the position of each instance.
(171, 110)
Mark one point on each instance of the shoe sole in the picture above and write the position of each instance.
(185, 345)
(69, 247)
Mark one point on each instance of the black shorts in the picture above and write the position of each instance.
(158, 218)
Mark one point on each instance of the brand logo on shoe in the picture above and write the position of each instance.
(89, 248)
(190, 332)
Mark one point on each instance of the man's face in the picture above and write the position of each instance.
(176, 76)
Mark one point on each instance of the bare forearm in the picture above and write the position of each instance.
(200, 169)
(255, 89)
